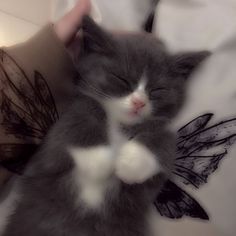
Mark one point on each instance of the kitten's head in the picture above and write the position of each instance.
(133, 76)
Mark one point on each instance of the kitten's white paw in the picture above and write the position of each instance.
(135, 164)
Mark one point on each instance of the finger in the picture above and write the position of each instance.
(67, 27)
(74, 17)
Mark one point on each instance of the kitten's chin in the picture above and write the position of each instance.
(125, 117)
(128, 119)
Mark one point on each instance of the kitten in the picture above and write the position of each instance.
(102, 165)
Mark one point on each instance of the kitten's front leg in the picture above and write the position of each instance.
(136, 164)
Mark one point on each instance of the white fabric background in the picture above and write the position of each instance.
(112, 14)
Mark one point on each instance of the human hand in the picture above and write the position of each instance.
(67, 27)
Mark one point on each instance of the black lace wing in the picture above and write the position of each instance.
(28, 111)
(173, 202)
(201, 147)
(28, 107)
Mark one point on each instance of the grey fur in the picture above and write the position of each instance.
(47, 206)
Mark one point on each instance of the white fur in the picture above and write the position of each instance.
(93, 169)
(136, 163)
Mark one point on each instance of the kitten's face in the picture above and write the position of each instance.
(133, 107)
(133, 76)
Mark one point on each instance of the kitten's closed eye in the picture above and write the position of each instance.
(157, 92)
(121, 80)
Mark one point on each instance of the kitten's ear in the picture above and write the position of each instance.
(186, 63)
(95, 39)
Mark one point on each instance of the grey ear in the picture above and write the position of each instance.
(186, 63)
(95, 39)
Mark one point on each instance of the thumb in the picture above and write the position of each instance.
(67, 27)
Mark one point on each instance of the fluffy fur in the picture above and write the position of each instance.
(102, 165)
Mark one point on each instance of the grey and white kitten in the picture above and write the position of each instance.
(103, 164)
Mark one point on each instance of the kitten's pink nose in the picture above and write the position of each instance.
(138, 103)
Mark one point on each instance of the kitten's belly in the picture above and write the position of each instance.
(94, 168)
(94, 173)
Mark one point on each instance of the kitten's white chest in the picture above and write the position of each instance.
(94, 167)
(117, 139)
